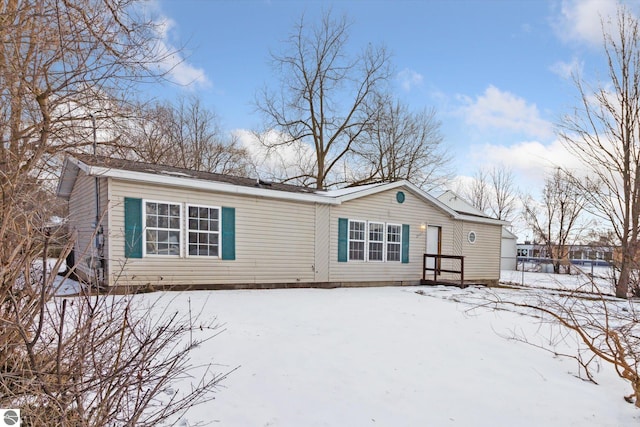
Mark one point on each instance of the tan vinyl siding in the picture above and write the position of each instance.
(322, 234)
(383, 207)
(274, 240)
(482, 258)
(82, 216)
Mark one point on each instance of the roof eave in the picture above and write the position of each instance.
(67, 179)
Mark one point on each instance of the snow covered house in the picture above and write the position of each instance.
(146, 225)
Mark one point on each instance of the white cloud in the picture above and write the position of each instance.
(173, 62)
(409, 79)
(277, 161)
(581, 20)
(531, 161)
(567, 70)
(496, 109)
(171, 59)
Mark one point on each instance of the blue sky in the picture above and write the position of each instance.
(496, 71)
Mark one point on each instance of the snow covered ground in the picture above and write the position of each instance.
(392, 356)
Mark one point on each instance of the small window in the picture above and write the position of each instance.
(471, 237)
(162, 231)
(356, 240)
(376, 241)
(203, 224)
(394, 242)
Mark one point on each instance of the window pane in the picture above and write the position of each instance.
(174, 210)
(213, 239)
(152, 221)
(152, 208)
(356, 251)
(163, 209)
(174, 223)
(393, 252)
(375, 251)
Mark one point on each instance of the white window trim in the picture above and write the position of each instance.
(349, 240)
(386, 243)
(144, 229)
(383, 241)
(187, 230)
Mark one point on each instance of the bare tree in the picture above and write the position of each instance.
(556, 223)
(603, 133)
(503, 203)
(604, 329)
(401, 144)
(326, 96)
(493, 192)
(478, 191)
(83, 361)
(182, 134)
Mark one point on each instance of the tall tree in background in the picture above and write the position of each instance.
(182, 134)
(93, 361)
(478, 191)
(603, 132)
(493, 192)
(401, 144)
(327, 96)
(503, 202)
(555, 220)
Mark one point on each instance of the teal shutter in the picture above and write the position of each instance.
(343, 230)
(132, 227)
(228, 233)
(405, 243)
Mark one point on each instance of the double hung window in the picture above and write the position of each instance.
(203, 224)
(376, 241)
(162, 221)
(357, 237)
(394, 242)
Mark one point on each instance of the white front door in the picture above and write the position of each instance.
(433, 243)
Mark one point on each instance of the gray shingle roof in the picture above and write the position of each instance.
(135, 166)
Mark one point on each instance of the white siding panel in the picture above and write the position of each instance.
(274, 240)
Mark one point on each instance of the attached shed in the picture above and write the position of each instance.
(141, 225)
(509, 252)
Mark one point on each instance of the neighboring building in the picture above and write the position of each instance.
(595, 253)
(142, 225)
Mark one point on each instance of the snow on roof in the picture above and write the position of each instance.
(350, 190)
(459, 204)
